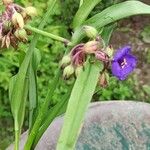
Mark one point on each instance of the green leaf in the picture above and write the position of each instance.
(80, 97)
(36, 59)
(21, 57)
(43, 110)
(84, 11)
(33, 85)
(112, 14)
(118, 11)
(55, 111)
(21, 112)
(11, 86)
(19, 118)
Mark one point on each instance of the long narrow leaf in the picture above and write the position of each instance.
(118, 11)
(32, 95)
(112, 14)
(80, 98)
(33, 85)
(43, 110)
(84, 11)
(21, 111)
(55, 111)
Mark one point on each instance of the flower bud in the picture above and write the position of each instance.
(24, 14)
(6, 25)
(68, 71)
(90, 31)
(17, 20)
(104, 79)
(1, 37)
(31, 11)
(5, 41)
(91, 46)
(78, 70)
(21, 34)
(102, 56)
(65, 61)
(7, 2)
(109, 50)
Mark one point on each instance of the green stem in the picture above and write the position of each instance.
(50, 35)
(81, 2)
(17, 137)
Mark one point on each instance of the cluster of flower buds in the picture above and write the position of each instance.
(74, 61)
(12, 22)
(122, 63)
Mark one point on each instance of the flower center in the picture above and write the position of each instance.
(122, 63)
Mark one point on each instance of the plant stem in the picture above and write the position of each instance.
(50, 35)
(81, 2)
(17, 136)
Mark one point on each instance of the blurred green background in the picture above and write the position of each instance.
(134, 31)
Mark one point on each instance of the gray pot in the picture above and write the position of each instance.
(113, 125)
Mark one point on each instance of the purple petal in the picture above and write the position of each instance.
(125, 72)
(121, 52)
(131, 60)
(116, 69)
(120, 72)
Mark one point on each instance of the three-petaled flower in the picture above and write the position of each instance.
(123, 63)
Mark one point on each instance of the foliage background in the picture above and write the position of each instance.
(134, 31)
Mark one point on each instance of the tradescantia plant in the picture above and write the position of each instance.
(88, 56)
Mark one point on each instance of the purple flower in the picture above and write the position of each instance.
(123, 63)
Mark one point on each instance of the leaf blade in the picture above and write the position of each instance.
(117, 12)
(80, 97)
(84, 11)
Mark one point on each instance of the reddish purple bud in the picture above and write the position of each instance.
(92, 46)
(104, 79)
(78, 55)
(102, 56)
